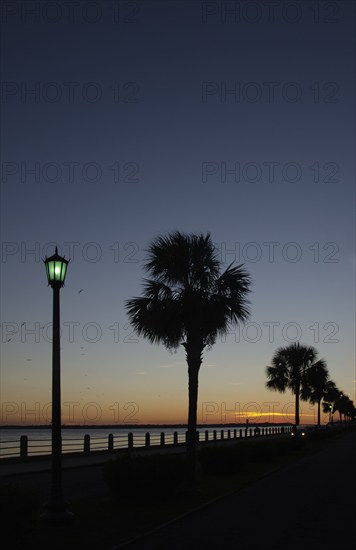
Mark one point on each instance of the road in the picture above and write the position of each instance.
(309, 504)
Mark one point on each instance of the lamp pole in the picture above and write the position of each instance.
(56, 507)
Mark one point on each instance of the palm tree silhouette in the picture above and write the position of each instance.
(345, 406)
(331, 395)
(188, 302)
(315, 384)
(288, 371)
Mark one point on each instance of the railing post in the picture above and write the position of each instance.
(240, 432)
(87, 444)
(197, 436)
(130, 442)
(235, 433)
(222, 434)
(229, 434)
(24, 446)
(111, 443)
(147, 439)
(206, 435)
(214, 435)
(162, 439)
(175, 438)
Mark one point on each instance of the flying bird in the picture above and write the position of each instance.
(81, 290)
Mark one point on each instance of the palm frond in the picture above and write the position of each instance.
(277, 378)
(186, 285)
(181, 259)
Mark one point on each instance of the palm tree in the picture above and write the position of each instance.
(288, 371)
(345, 406)
(188, 302)
(315, 384)
(331, 395)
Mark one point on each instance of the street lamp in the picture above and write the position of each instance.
(56, 508)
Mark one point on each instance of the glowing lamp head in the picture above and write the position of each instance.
(56, 269)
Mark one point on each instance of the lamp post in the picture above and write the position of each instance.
(56, 508)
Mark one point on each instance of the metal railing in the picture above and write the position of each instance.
(26, 447)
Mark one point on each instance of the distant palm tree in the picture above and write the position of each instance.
(315, 385)
(288, 371)
(345, 406)
(189, 302)
(331, 395)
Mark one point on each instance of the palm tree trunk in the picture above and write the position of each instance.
(194, 350)
(297, 391)
(319, 401)
(192, 420)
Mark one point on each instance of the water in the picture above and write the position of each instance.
(39, 439)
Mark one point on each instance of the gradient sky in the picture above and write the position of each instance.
(122, 121)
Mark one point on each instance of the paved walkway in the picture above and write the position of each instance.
(308, 505)
(34, 465)
(82, 475)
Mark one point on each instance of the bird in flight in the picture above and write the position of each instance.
(81, 290)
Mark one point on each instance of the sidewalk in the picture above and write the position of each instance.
(37, 465)
(309, 504)
(74, 460)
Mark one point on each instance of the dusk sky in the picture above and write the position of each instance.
(122, 121)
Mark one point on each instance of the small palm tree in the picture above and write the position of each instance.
(315, 384)
(345, 407)
(331, 395)
(189, 302)
(288, 371)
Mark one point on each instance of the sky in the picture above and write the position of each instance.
(125, 120)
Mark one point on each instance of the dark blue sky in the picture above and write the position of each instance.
(124, 120)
